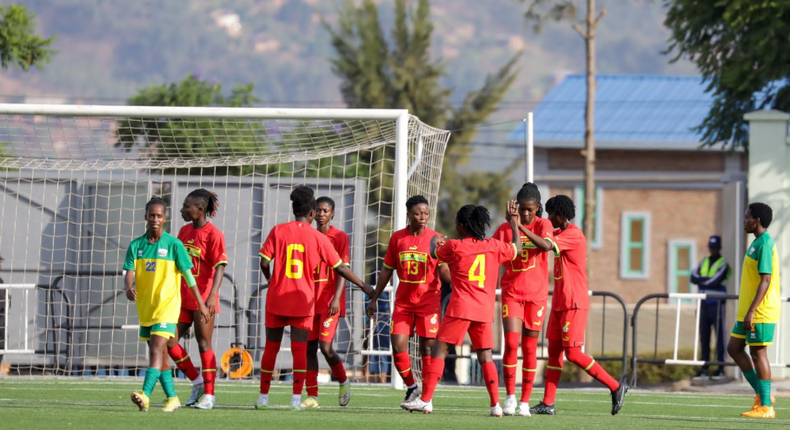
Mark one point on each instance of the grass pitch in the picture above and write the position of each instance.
(101, 404)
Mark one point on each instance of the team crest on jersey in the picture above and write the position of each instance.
(328, 322)
(140, 253)
(162, 253)
(540, 311)
(567, 327)
(435, 319)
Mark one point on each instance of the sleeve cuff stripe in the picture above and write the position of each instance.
(219, 263)
(337, 264)
(265, 256)
(388, 267)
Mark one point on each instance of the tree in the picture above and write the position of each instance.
(199, 137)
(739, 47)
(19, 45)
(538, 12)
(399, 72)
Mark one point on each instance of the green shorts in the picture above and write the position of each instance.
(166, 330)
(763, 333)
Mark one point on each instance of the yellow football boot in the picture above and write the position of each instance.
(141, 400)
(760, 412)
(171, 404)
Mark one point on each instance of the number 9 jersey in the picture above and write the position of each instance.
(474, 267)
(297, 249)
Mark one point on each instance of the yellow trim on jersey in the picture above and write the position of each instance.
(265, 256)
(337, 264)
(515, 250)
(388, 267)
(739, 336)
(220, 263)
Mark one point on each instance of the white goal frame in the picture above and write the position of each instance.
(400, 116)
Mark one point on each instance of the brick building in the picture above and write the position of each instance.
(659, 195)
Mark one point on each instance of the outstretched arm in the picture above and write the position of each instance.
(345, 272)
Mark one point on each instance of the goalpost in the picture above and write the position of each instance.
(74, 181)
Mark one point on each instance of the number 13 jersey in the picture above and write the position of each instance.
(419, 288)
(474, 267)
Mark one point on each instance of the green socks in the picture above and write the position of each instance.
(166, 379)
(765, 392)
(151, 376)
(751, 376)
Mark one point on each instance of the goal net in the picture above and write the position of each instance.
(74, 181)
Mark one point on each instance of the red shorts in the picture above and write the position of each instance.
(532, 314)
(408, 323)
(453, 330)
(279, 321)
(324, 327)
(567, 326)
(186, 316)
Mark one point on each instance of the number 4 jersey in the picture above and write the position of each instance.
(474, 267)
(157, 269)
(297, 249)
(419, 289)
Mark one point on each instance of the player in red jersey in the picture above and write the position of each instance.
(418, 297)
(474, 263)
(330, 307)
(525, 292)
(296, 249)
(205, 244)
(569, 306)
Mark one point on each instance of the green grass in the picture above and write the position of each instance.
(51, 404)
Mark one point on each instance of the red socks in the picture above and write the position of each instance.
(553, 371)
(299, 352)
(209, 369)
(430, 378)
(491, 379)
(267, 364)
(312, 383)
(577, 357)
(184, 364)
(510, 361)
(529, 350)
(403, 365)
(339, 372)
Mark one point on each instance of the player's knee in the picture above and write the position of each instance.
(733, 348)
(326, 349)
(577, 357)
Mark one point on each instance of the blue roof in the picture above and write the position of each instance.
(628, 109)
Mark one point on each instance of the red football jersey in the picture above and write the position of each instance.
(570, 270)
(474, 267)
(297, 249)
(326, 278)
(206, 247)
(527, 277)
(419, 287)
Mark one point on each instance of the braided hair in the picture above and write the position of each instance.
(414, 201)
(209, 201)
(561, 205)
(302, 200)
(475, 219)
(529, 192)
(155, 201)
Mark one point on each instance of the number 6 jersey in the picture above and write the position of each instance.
(474, 267)
(419, 288)
(297, 249)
